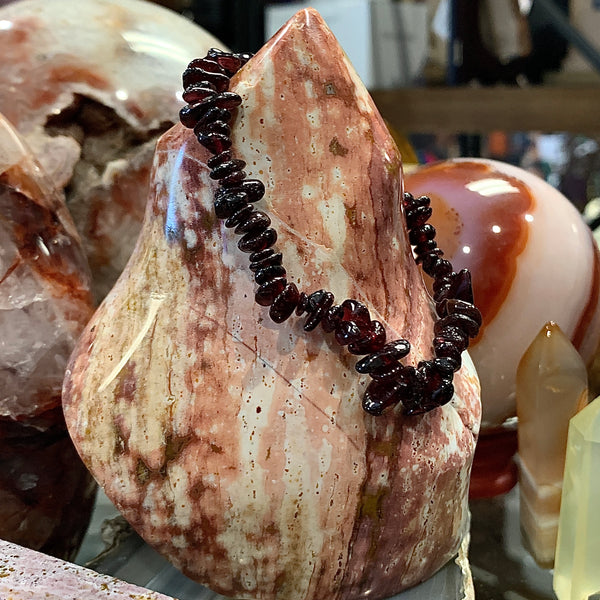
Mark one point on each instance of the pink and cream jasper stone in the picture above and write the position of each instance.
(236, 447)
(91, 85)
(532, 259)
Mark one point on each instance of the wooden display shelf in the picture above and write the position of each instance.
(480, 110)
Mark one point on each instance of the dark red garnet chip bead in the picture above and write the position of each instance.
(356, 311)
(393, 371)
(463, 322)
(283, 306)
(257, 240)
(267, 273)
(264, 258)
(194, 93)
(233, 179)
(302, 306)
(212, 115)
(205, 63)
(227, 168)
(388, 355)
(348, 332)
(267, 292)
(218, 127)
(380, 395)
(332, 318)
(219, 159)
(254, 188)
(226, 205)
(197, 74)
(214, 142)
(318, 304)
(373, 340)
(256, 220)
(421, 234)
(239, 215)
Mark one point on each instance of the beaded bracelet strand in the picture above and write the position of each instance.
(421, 389)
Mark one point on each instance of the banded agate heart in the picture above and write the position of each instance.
(236, 447)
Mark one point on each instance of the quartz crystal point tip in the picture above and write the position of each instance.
(576, 567)
(239, 448)
(551, 388)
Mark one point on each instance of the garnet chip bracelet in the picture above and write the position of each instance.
(420, 389)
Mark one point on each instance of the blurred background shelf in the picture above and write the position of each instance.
(485, 109)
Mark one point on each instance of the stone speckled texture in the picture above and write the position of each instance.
(29, 575)
(239, 448)
(91, 85)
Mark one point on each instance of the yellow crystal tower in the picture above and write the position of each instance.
(577, 565)
(551, 388)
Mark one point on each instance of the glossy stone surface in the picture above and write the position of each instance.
(46, 493)
(91, 84)
(27, 575)
(44, 284)
(532, 259)
(576, 573)
(236, 447)
(551, 388)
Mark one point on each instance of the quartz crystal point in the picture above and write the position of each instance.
(46, 494)
(236, 447)
(91, 84)
(551, 388)
(576, 572)
(27, 575)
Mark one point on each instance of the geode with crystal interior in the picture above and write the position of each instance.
(236, 447)
(91, 85)
(46, 493)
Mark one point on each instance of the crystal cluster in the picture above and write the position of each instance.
(91, 85)
(238, 447)
(45, 300)
(551, 388)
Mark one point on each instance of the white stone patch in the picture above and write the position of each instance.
(309, 89)
(309, 192)
(314, 118)
(182, 509)
(191, 238)
(179, 541)
(334, 219)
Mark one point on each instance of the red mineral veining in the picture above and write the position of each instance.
(46, 494)
(238, 447)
